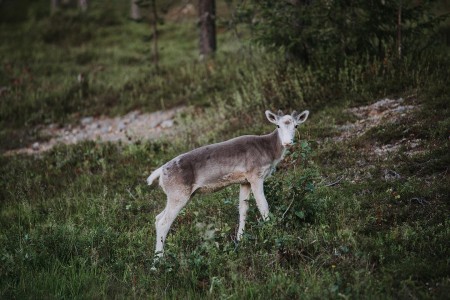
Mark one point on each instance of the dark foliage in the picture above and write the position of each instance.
(328, 32)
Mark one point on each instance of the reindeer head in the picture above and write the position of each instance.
(287, 124)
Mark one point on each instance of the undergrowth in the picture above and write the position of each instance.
(77, 221)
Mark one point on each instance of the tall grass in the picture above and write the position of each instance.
(77, 221)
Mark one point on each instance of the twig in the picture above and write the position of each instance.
(306, 256)
(395, 173)
(287, 209)
(272, 262)
(391, 174)
(421, 201)
(336, 182)
(131, 195)
(236, 243)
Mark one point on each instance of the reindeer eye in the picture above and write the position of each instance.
(278, 126)
(296, 126)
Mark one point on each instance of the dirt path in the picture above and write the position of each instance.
(141, 126)
(128, 128)
(384, 111)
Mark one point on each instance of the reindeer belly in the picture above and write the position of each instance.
(216, 184)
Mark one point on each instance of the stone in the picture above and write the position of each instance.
(122, 126)
(167, 123)
(87, 121)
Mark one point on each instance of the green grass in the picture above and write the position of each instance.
(78, 221)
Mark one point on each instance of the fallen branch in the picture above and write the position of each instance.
(287, 209)
(421, 201)
(391, 174)
(334, 183)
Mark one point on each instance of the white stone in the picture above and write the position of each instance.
(167, 123)
(87, 120)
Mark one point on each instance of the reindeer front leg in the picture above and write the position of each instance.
(244, 195)
(261, 202)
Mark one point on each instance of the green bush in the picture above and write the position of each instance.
(329, 32)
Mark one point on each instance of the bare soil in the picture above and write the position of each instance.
(128, 128)
(384, 111)
(143, 126)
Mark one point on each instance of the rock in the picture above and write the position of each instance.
(81, 136)
(390, 175)
(167, 123)
(121, 126)
(4, 90)
(87, 121)
(132, 116)
(125, 129)
(106, 129)
(53, 126)
(400, 109)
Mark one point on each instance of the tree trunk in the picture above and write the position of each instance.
(54, 6)
(135, 12)
(399, 30)
(207, 20)
(83, 5)
(155, 34)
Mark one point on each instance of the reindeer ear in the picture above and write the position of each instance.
(273, 118)
(300, 118)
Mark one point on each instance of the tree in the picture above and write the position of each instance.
(57, 4)
(135, 12)
(154, 19)
(54, 6)
(207, 21)
(155, 33)
(328, 32)
(83, 4)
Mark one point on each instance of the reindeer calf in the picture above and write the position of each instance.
(245, 160)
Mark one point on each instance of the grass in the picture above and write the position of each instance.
(77, 221)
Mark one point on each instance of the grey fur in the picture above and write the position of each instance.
(245, 160)
(224, 163)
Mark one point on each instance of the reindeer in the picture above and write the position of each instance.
(246, 160)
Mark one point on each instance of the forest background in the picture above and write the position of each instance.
(359, 207)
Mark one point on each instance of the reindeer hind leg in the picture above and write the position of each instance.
(175, 202)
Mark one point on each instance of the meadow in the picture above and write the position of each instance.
(349, 219)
